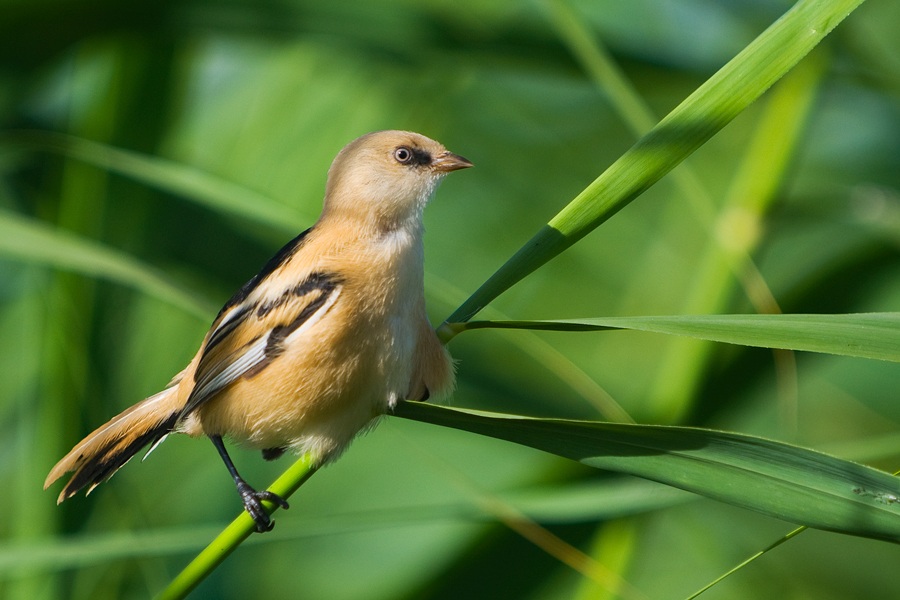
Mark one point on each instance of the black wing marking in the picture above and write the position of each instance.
(242, 347)
(281, 257)
(227, 325)
(223, 325)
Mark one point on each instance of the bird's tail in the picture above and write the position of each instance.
(109, 447)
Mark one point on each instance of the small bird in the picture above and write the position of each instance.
(327, 337)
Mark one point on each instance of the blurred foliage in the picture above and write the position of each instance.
(262, 95)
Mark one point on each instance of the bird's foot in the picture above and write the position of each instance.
(253, 503)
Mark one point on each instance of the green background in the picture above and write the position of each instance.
(262, 95)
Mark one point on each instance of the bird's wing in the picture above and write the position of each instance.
(248, 336)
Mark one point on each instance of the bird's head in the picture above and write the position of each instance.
(386, 178)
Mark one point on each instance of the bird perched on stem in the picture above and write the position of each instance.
(327, 337)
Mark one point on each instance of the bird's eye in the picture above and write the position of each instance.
(403, 155)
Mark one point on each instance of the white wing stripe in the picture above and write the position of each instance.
(254, 355)
(315, 317)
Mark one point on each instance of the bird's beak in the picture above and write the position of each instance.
(447, 161)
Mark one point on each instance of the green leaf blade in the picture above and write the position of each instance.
(690, 125)
(32, 241)
(863, 335)
(188, 182)
(773, 478)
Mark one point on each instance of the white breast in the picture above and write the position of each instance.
(402, 259)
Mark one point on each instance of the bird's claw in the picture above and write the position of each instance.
(253, 504)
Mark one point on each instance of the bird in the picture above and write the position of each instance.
(327, 337)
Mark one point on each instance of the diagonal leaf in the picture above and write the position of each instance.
(172, 177)
(866, 335)
(777, 479)
(33, 241)
(691, 124)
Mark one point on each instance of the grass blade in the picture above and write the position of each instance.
(776, 479)
(33, 241)
(788, 536)
(865, 335)
(187, 182)
(712, 106)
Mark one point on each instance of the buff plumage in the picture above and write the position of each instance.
(328, 336)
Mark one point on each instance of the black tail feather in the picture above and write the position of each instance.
(112, 456)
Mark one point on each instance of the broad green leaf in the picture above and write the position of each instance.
(777, 479)
(866, 335)
(691, 124)
(33, 241)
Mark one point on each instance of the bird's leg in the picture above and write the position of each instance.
(251, 498)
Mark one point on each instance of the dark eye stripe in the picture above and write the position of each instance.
(412, 156)
(421, 157)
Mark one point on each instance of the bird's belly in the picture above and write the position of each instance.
(319, 394)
